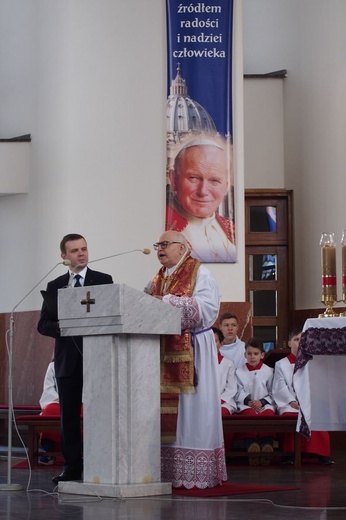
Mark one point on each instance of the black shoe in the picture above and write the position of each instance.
(67, 476)
(287, 461)
(326, 461)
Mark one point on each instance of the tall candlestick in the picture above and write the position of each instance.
(343, 266)
(328, 265)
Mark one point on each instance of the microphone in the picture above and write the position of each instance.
(10, 486)
(145, 251)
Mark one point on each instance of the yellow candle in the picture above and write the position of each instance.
(329, 261)
(328, 273)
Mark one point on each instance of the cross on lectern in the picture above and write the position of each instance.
(88, 301)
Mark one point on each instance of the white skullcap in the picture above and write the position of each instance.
(200, 141)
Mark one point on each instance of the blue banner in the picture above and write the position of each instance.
(200, 178)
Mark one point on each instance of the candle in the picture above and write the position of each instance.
(343, 264)
(328, 264)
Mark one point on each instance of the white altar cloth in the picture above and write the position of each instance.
(320, 382)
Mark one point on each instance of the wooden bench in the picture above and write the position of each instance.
(35, 425)
(17, 411)
(277, 424)
(234, 423)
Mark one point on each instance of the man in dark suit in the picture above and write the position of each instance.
(68, 355)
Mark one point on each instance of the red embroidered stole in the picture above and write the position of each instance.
(177, 367)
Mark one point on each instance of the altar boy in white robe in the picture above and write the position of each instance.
(286, 400)
(228, 386)
(228, 380)
(232, 346)
(254, 397)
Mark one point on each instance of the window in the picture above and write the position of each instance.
(268, 254)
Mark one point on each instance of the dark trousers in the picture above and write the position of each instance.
(70, 397)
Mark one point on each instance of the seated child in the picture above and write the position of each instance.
(232, 346)
(254, 397)
(228, 380)
(286, 401)
(49, 403)
(228, 386)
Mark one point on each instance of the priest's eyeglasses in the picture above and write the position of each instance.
(164, 244)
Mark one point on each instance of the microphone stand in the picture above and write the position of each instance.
(10, 486)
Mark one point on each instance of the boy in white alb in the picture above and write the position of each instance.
(254, 397)
(228, 380)
(286, 400)
(228, 386)
(49, 402)
(232, 347)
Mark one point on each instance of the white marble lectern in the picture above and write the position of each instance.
(121, 357)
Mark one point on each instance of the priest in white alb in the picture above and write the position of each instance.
(192, 438)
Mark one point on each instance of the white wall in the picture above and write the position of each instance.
(308, 38)
(87, 80)
(14, 167)
(264, 133)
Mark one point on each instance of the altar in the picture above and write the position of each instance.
(319, 378)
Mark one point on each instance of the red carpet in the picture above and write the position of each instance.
(227, 489)
(231, 488)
